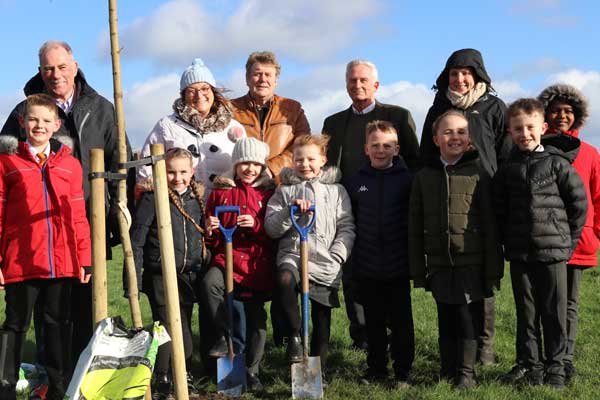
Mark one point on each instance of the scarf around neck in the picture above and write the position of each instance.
(214, 121)
(468, 99)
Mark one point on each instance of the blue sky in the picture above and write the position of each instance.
(526, 45)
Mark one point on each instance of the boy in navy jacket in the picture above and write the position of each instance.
(380, 193)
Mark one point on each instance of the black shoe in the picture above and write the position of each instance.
(360, 346)
(465, 381)
(373, 377)
(324, 382)
(555, 381)
(533, 378)
(162, 389)
(219, 349)
(253, 383)
(192, 389)
(294, 349)
(403, 380)
(570, 371)
(515, 375)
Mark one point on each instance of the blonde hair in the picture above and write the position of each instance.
(41, 100)
(382, 126)
(448, 113)
(320, 141)
(179, 152)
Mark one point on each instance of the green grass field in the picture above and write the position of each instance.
(346, 366)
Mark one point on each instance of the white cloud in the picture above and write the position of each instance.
(145, 103)
(7, 103)
(510, 90)
(306, 30)
(589, 84)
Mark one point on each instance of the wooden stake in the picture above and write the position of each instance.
(167, 258)
(98, 222)
(115, 51)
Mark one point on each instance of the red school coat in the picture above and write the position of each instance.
(587, 164)
(44, 232)
(253, 251)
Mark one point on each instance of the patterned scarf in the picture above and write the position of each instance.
(468, 99)
(214, 122)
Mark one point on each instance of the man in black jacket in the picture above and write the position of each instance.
(89, 120)
(346, 150)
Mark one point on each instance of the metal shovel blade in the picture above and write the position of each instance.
(307, 382)
(231, 375)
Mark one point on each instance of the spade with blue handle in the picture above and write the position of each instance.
(307, 382)
(231, 369)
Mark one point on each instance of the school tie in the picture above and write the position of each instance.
(42, 158)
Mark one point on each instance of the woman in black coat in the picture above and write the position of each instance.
(465, 85)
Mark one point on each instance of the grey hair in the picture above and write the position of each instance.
(53, 44)
(366, 63)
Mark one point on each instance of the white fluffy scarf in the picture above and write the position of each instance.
(464, 101)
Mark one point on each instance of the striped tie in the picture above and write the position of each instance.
(42, 159)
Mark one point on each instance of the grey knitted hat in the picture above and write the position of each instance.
(197, 72)
(249, 149)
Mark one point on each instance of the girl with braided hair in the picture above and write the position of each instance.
(187, 211)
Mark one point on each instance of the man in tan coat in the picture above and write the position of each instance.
(276, 121)
(266, 116)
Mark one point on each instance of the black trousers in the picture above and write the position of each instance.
(354, 308)
(540, 291)
(153, 287)
(55, 296)
(82, 323)
(388, 303)
(287, 291)
(163, 356)
(456, 322)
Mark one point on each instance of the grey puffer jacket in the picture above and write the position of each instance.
(331, 239)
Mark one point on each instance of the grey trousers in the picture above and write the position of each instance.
(255, 326)
(540, 291)
(574, 275)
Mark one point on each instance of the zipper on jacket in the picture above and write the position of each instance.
(49, 225)
(262, 126)
(447, 185)
(85, 118)
(185, 246)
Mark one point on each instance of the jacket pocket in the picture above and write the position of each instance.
(558, 226)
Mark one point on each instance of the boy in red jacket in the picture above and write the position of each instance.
(253, 252)
(44, 241)
(566, 111)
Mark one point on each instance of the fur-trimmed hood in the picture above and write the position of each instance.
(329, 175)
(264, 181)
(570, 95)
(9, 144)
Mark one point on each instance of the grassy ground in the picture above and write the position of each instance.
(346, 366)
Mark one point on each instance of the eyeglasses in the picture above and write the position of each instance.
(197, 91)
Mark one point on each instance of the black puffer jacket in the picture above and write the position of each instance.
(540, 202)
(486, 116)
(186, 238)
(380, 206)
